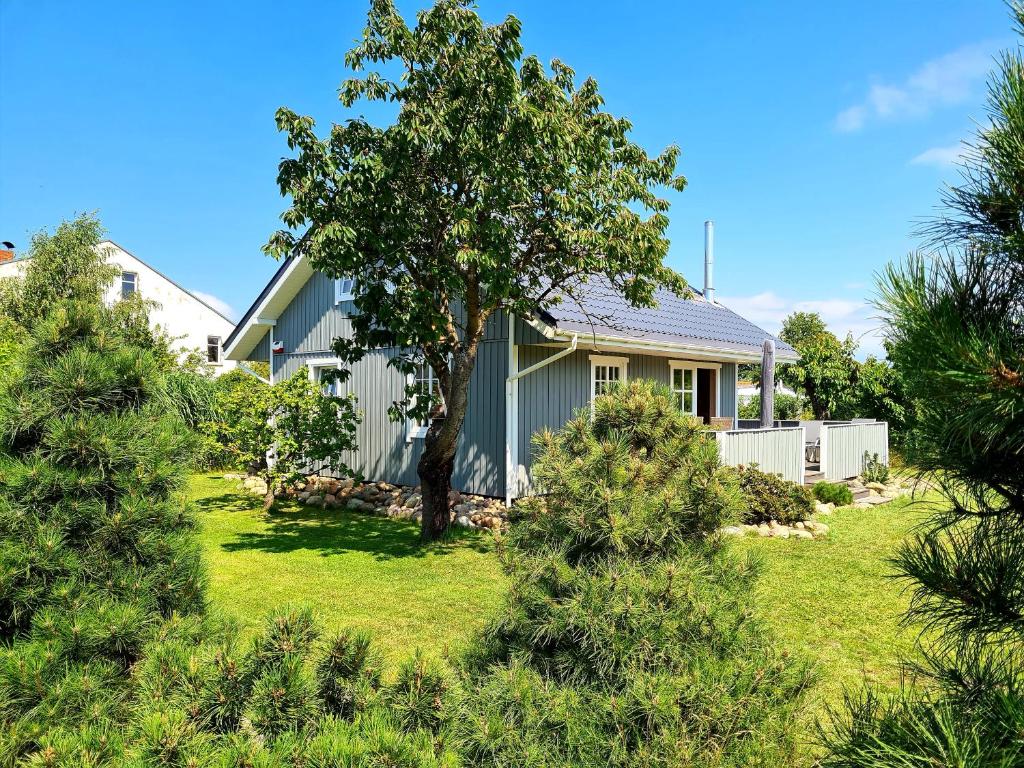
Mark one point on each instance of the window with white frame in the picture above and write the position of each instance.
(213, 350)
(424, 381)
(129, 284)
(606, 371)
(344, 289)
(323, 372)
(684, 386)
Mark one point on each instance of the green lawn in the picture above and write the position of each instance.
(834, 599)
(355, 570)
(828, 598)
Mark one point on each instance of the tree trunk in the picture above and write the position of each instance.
(438, 458)
(435, 471)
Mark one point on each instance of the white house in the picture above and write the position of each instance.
(189, 320)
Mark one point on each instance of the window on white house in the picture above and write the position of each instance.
(324, 374)
(344, 289)
(424, 381)
(213, 349)
(684, 387)
(129, 284)
(606, 372)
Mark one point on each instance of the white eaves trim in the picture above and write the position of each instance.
(603, 343)
(266, 313)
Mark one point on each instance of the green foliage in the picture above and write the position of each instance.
(786, 407)
(874, 471)
(832, 493)
(501, 185)
(628, 636)
(308, 427)
(349, 675)
(955, 331)
(771, 497)
(826, 371)
(95, 538)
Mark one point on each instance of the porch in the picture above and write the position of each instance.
(806, 451)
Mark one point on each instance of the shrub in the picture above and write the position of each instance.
(628, 637)
(770, 497)
(786, 407)
(874, 471)
(833, 493)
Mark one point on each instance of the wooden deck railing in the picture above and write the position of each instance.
(779, 450)
(843, 447)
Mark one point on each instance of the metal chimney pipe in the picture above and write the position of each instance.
(709, 260)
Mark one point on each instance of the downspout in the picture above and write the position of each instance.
(246, 369)
(512, 406)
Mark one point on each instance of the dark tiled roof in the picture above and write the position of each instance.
(675, 320)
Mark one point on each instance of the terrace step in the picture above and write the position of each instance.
(810, 478)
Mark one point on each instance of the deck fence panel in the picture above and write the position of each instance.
(778, 451)
(843, 447)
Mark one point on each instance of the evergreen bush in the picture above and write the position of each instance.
(96, 544)
(771, 497)
(832, 493)
(628, 636)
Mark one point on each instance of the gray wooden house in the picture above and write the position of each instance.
(532, 372)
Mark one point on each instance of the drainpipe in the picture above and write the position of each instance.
(246, 369)
(512, 405)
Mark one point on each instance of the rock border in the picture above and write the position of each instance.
(401, 502)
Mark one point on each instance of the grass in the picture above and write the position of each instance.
(830, 599)
(355, 570)
(834, 600)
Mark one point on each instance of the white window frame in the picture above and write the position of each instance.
(415, 430)
(343, 293)
(606, 361)
(314, 366)
(135, 283)
(220, 350)
(693, 365)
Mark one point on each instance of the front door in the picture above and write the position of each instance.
(705, 391)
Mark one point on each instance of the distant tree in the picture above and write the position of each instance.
(955, 327)
(881, 394)
(498, 187)
(786, 407)
(826, 371)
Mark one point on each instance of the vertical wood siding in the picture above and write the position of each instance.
(308, 327)
(843, 447)
(773, 450)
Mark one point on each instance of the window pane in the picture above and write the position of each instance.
(128, 284)
(613, 373)
(677, 378)
(687, 378)
(213, 349)
(688, 402)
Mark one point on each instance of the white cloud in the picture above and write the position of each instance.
(842, 316)
(947, 80)
(219, 304)
(940, 156)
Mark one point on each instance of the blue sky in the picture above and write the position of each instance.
(814, 134)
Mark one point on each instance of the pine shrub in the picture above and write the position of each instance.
(96, 544)
(771, 497)
(628, 637)
(832, 493)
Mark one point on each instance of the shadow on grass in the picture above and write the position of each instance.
(292, 527)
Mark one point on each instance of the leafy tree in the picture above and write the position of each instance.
(500, 186)
(786, 407)
(955, 326)
(301, 423)
(95, 536)
(826, 371)
(628, 637)
(882, 394)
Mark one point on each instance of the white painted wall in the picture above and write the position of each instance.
(180, 314)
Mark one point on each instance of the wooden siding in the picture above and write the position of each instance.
(549, 396)
(843, 447)
(773, 450)
(308, 327)
(261, 352)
